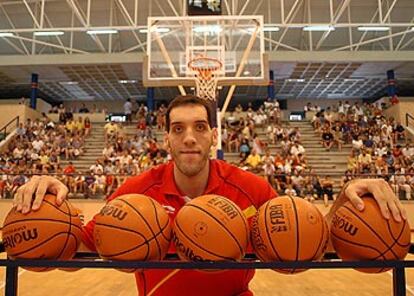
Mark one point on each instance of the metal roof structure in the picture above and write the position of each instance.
(317, 48)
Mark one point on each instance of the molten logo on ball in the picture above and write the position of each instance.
(115, 212)
(342, 224)
(13, 239)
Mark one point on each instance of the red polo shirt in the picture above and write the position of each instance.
(245, 189)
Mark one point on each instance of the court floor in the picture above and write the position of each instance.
(107, 282)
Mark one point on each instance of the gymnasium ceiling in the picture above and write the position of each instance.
(314, 77)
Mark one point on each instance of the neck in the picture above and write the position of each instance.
(192, 186)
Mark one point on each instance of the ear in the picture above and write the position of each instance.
(167, 142)
(214, 137)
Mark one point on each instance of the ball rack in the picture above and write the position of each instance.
(250, 261)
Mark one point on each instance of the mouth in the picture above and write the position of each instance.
(190, 152)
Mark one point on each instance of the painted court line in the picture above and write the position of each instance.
(3, 284)
(407, 287)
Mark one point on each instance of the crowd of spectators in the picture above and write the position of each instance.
(249, 136)
(38, 148)
(379, 146)
(254, 134)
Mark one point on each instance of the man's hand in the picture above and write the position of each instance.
(379, 189)
(37, 188)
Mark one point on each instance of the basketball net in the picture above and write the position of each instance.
(205, 71)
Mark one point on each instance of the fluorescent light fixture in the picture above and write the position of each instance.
(412, 29)
(96, 32)
(127, 81)
(295, 80)
(48, 33)
(271, 29)
(69, 83)
(373, 28)
(158, 30)
(6, 34)
(246, 73)
(322, 28)
(208, 29)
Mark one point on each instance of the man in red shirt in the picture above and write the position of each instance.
(189, 138)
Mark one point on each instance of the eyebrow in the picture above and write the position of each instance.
(197, 121)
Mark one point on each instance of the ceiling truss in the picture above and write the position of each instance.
(129, 16)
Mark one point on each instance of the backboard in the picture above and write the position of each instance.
(236, 42)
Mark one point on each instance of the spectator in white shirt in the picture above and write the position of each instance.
(38, 144)
(96, 167)
(297, 149)
(128, 110)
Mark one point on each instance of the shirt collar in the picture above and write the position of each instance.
(170, 188)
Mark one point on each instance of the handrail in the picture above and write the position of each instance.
(407, 117)
(3, 130)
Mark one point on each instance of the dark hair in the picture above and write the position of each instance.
(187, 100)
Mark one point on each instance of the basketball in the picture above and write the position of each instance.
(211, 228)
(289, 229)
(52, 232)
(367, 235)
(138, 224)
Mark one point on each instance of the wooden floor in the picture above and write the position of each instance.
(105, 282)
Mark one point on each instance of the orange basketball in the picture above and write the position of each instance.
(210, 227)
(367, 235)
(289, 229)
(132, 227)
(52, 232)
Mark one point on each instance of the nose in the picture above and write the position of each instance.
(189, 137)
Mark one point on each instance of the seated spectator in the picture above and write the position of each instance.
(111, 131)
(70, 126)
(268, 157)
(381, 166)
(352, 163)
(290, 191)
(298, 182)
(296, 149)
(368, 144)
(308, 190)
(258, 145)
(327, 188)
(21, 132)
(408, 153)
(68, 172)
(37, 144)
(269, 172)
(96, 167)
(399, 182)
(244, 147)
(80, 126)
(253, 160)
(390, 162)
(83, 109)
(99, 186)
(381, 149)
(357, 144)
(398, 155)
(87, 125)
(398, 132)
(327, 139)
(348, 176)
(364, 162)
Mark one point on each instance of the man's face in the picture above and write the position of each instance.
(190, 138)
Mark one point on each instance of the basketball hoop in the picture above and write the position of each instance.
(206, 72)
